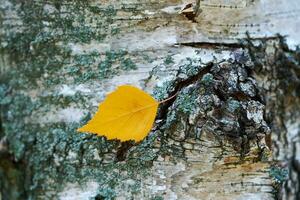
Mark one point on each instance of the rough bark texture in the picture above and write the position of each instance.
(231, 132)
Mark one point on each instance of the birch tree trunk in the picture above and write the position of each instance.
(231, 132)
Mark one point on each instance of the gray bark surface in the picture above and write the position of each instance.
(231, 132)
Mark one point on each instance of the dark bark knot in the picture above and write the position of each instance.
(219, 98)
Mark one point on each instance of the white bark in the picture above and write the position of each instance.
(152, 30)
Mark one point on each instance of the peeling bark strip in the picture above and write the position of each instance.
(237, 96)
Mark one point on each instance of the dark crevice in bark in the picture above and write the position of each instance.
(163, 110)
(122, 151)
(1, 128)
(211, 45)
(12, 175)
(12, 172)
(242, 140)
(244, 43)
(188, 12)
(99, 197)
(191, 12)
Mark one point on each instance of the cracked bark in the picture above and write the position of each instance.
(231, 132)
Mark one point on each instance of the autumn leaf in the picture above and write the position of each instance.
(126, 114)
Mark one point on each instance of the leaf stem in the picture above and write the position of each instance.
(165, 100)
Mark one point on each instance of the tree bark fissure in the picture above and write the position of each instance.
(234, 119)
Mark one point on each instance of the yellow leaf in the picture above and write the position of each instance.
(126, 114)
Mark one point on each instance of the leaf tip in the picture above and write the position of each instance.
(81, 129)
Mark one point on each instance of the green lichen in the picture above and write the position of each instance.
(127, 64)
(147, 58)
(278, 174)
(184, 105)
(41, 59)
(190, 66)
(169, 60)
(115, 31)
(207, 79)
(36, 51)
(161, 92)
(186, 102)
(55, 149)
(142, 156)
(114, 63)
(157, 198)
(105, 194)
(4, 98)
(233, 105)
